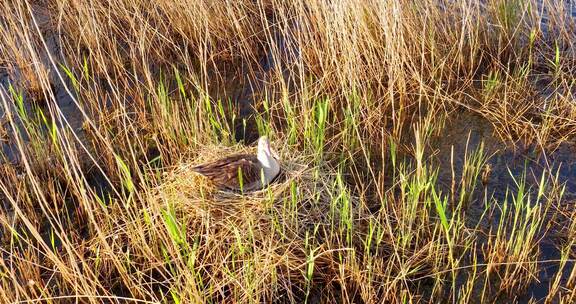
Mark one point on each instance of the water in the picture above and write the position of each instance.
(68, 114)
(465, 133)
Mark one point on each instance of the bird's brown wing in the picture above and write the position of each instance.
(225, 172)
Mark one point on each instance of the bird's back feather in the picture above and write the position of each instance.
(225, 172)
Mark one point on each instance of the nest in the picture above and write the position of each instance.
(277, 223)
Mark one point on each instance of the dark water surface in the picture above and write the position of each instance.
(465, 133)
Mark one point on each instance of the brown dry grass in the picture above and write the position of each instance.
(100, 206)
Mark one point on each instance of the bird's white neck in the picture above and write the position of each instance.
(270, 165)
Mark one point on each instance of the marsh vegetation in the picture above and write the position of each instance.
(427, 151)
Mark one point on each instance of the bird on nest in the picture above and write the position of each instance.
(244, 172)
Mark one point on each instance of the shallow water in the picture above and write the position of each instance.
(69, 116)
(465, 133)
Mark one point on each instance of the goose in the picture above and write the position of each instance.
(258, 170)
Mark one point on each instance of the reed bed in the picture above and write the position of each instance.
(107, 104)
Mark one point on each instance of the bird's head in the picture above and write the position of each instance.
(264, 148)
